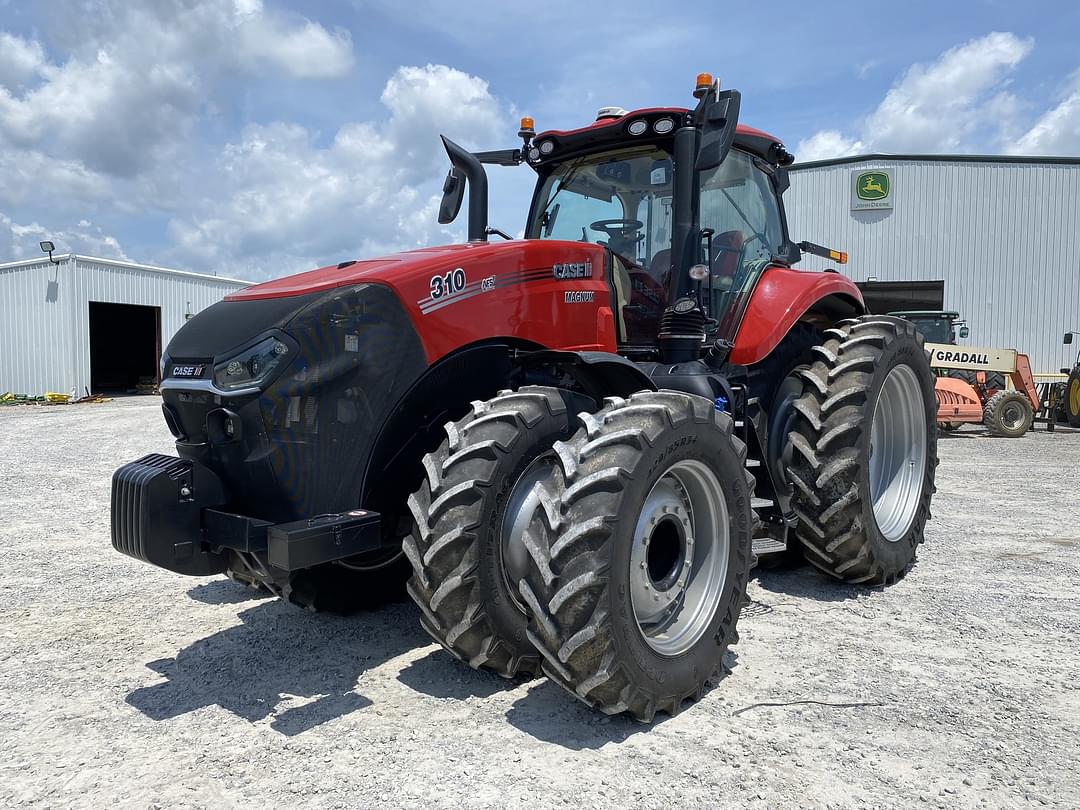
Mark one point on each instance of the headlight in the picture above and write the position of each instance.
(253, 366)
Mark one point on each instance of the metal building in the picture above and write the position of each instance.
(93, 324)
(1002, 233)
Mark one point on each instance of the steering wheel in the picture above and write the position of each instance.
(617, 228)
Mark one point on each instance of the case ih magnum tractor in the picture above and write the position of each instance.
(573, 444)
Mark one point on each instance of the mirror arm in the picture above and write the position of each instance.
(467, 163)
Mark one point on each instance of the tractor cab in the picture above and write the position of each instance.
(936, 326)
(614, 184)
(686, 202)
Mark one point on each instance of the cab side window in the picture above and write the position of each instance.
(738, 203)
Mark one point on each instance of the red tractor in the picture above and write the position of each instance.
(573, 445)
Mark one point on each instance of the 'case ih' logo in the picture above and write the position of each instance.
(573, 270)
(872, 186)
(187, 371)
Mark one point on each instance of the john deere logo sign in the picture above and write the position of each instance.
(873, 186)
(871, 190)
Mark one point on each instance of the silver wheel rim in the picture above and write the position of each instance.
(679, 560)
(521, 504)
(897, 453)
(1012, 416)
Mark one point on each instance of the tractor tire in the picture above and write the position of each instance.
(1008, 414)
(651, 498)
(483, 472)
(1072, 398)
(864, 450)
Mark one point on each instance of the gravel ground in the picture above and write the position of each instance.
(124, 684)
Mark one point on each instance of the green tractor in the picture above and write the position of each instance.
(1072, 386)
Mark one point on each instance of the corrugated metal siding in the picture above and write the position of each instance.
(45, 314)
(1005, 237)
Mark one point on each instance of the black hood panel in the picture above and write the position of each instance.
(228, 324)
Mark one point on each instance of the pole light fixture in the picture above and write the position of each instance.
(48, 247)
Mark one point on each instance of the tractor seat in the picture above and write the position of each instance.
(728, 246)
(660, 265)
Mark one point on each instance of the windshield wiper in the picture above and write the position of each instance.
(571, 173)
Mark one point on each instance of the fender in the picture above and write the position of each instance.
(600, 374)
(781, 298)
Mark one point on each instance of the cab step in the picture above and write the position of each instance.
(768, 545)
(761, 503)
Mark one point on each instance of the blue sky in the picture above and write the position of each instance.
(255, 138)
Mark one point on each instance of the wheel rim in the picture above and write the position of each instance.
(521, 504)
(679, 560)
(1074, 397)
(897, 453)
(1012, 415)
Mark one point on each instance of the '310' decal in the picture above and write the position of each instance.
(447, 284)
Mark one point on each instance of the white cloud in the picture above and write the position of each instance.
(20, 60)
(130, 93)
(828, 143)
(112, 124)
(18, 241)
(373, 189)
(949, 105)
(304, 50)
(1057, 131)
(936, 107)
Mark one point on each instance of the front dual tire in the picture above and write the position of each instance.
(617, 558)
(640, 561)
(466, 540)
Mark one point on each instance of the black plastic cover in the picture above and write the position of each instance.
(227, 325)
(302, 444)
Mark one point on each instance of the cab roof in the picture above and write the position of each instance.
(616, 129)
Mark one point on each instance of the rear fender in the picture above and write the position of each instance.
(784, 297)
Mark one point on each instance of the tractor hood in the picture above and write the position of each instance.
(444, 292)
(385, 268)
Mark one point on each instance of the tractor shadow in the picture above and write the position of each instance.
(805, 581)
(549, 713)
(440, 675)
(226, 592)
(298, 668)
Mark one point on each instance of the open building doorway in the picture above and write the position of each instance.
(882, 297)
(125, 344)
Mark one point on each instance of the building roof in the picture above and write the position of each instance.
(149, 268)
(880, 156)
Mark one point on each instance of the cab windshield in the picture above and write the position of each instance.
(622, 200)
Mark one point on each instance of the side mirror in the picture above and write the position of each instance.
(1067, 339)
(964, 332)
(719, 119)
(453, 193)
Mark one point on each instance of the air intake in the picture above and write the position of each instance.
(682, 332)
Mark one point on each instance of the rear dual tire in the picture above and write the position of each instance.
(864, 450)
